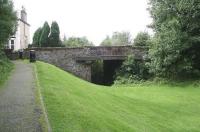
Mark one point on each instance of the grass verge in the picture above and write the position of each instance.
(43, 119)
(74, 105)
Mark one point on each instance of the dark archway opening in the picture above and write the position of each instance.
(97, 73)
(103, 71)
(110, 67)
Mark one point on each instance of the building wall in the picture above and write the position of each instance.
(17, 37)
(22, 36)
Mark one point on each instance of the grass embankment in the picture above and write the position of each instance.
(75, 105)
(5, 68)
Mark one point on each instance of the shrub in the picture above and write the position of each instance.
(132, 71)
(5, 67)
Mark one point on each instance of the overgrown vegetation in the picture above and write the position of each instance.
(76, 105)
(175, 49)
(132, 71)
(5, 68)
(8, 24)
(8, 21)
(135, 70)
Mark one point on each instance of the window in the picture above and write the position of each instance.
(12, 42)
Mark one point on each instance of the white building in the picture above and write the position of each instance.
(21, 39)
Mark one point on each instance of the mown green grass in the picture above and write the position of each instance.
(74, 105)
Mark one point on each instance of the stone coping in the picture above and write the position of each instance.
(91, 47)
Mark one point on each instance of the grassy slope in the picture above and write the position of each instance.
(76, 105)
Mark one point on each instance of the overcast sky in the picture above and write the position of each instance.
(91, 18)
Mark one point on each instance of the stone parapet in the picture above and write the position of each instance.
(78, 60)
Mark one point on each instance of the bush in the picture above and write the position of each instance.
(132, 71)
(5, 67)
(128, 80)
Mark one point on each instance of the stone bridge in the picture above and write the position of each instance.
(78, 61)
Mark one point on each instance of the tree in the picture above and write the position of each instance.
(8, 26)
(36, 37)
(77, 42)
(175, 51)
(44, 38)
(106, 42)
(8, 21)
(117, 39)
(121, 38)
(54, 38)
(142, 39)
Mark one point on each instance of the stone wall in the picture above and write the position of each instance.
(66, 58)
(78, 60)
(11, 55)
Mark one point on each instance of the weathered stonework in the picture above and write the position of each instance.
(78, 60)
(65, 59)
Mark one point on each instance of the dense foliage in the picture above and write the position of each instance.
(8, 24)
(77, 42)
(175, 50)
(44, 38)
(117, 39)
(5, 67)
(36, 37)
(54, 38)
(132, 71)
(8, 21)
(142, 39)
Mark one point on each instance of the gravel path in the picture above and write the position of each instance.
(18, 109)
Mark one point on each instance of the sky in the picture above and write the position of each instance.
(94, 19)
